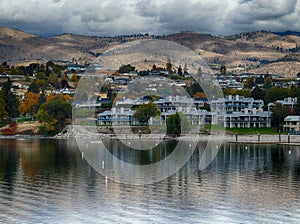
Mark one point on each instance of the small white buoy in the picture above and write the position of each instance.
(289, 151)
(190, 145)
(246, 147)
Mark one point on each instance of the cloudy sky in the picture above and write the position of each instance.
(116, 17)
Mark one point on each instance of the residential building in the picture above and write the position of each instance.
(181, 103)
(288, 102)
(116, 116)
(129, 101)
(248, 118)
(235, 104)
(292, 124)
(232, 111)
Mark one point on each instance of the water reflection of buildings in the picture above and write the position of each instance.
(257, 174)
(248, 181)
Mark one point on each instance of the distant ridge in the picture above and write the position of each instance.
(288, 32)
(250, 52)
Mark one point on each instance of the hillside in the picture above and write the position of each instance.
(245, 52)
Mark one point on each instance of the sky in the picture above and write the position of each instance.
(158, 17)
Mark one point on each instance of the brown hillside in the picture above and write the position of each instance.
(240, 53)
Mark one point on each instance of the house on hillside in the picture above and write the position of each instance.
(288, 102)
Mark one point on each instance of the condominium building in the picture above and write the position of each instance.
(232, 111)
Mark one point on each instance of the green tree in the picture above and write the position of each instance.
(259, 80)
(177, 124)
(275, 93)
(169, 66)
(13, 71)
(223, 70)
(194, 88)
(297, 107)
(3, 113)
(258, 93)
(126, 68)
(2, 69)
(42, 99)
(53, 79)
(249, 83)
(179, 70)
(268, 82)
(173, 124)
(145, 111)
(279, 112)
(11, 101)
(243, 92)
(34, 88)
(5, 65)
(54, 115)
(41, 76)
(294, 92)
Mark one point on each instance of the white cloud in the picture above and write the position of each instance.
(112, 17)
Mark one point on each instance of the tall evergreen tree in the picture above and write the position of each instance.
(3, 112)
(11, 100)
(223, 70)
(297, 107)
(33, 88)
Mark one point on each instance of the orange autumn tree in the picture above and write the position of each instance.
(30, 103)
(65, 97)
(200, 95)
(51, 97)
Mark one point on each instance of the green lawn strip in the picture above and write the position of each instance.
(244, 131)
(249, 131)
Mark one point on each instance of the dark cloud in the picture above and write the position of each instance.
(111, 17)
(267, 15)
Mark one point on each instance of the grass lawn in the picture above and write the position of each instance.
(24, 119)
(244, 131)
(214, 127)
(249, 131)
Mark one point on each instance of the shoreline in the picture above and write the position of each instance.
(236, 139)
(90, 132)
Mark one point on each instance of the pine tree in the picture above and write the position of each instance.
(11, 100)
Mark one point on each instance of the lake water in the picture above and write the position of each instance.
(48, 181)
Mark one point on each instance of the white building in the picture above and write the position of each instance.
(232, 111)
(235, 104)
(248, 118)
(116, 116)
(288, 102)
(181, 103)
(292, 124)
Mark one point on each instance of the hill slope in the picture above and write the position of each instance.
(245, 52)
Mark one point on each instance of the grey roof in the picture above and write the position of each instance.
(292, 118)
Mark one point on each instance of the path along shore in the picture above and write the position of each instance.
(214, 136)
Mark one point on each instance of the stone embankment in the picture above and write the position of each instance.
(101, 132)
